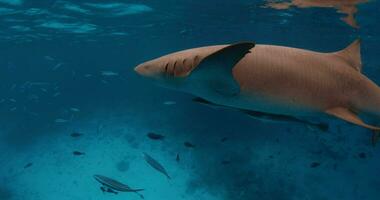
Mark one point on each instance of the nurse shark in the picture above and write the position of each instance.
(275, 80)
(347, 7)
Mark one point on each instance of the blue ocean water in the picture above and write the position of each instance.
(67, 67)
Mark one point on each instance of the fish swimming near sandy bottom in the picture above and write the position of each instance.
(155, 164)
(273, 79)
(347, 7)
(116, 185)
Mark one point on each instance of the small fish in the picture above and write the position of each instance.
(183, 31)
(37, 83)
(262, 116)
(169, 103)
(315, 164)
(115, 185)
(155, 136)
(59, 120)
(88, 75)
(224, 139)
(226, 162)
(109, 73)
(13, 109)
(78, 153)
(362, 155)
(33, 114)
(33, 97)
(56, 94)
(28, 165)
(156, 165)
(76, 134)
(2, 100)
(74, 109)
(177, 157)
(13, 86)
(57, 66)
(49, 58)
(12, 100)
(189, 145)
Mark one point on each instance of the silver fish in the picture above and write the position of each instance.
(59, 120)
(169, 103)
(109, 73)
(74, 109)
(116, 185)
(155, 164)
(57, 66)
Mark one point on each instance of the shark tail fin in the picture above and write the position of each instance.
(351, 55)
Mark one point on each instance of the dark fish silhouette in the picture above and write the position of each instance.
(28, 165)
(226, 162)
(156, 165)
(224, 139)
(315, 164)
(189, 145)
(112, 185)
(267, 116)
(177, 158)
(362, 155)
(76, 134)
(155, 136)
(104, 189)
(78, 153)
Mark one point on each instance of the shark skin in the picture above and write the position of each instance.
(347, 7)
(273, 79)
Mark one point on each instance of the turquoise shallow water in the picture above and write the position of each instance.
(67, 66)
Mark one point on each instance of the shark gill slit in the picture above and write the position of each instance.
(173, 73)
(166, 68)
(195, 62)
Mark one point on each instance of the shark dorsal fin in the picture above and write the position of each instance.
(351, 54)
(215, 70)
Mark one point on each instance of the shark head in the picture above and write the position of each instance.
(171, 66)
(176, 65)
(197, 70)
(171, 70)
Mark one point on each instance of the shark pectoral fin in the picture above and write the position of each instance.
(215, 70)
(347, 115)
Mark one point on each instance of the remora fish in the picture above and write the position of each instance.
(267, 116)
(273, 79)
(156, 165)
(116, 185)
